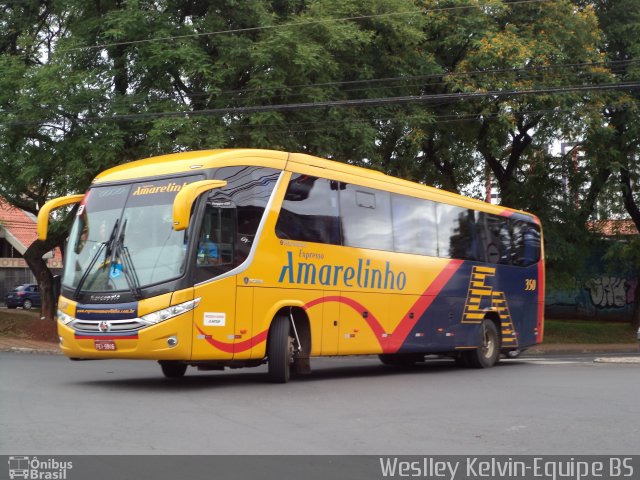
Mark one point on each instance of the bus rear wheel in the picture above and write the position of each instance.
(488, 353)
(173, 369)
(280, 350)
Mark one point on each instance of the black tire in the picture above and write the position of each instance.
(488, 354)
(401, 359)
(173, 369)
(27, 304)
(462, 359)
(280, 351)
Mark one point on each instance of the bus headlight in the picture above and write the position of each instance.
(64, 318)
(170, 312)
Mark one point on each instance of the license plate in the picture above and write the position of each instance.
(108, 345)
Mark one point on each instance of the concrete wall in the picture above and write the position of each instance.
(603, 296)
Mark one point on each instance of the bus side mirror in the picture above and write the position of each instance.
(47, 208)
(185, 198)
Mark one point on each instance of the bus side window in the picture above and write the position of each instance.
(531, 245)
(414, 225)
(526, 243)
(497, 239)
(231, 219)
(310, 211)
(366, 218)
(456, 232)
(248, 221)
(215, 252)
(504, 234)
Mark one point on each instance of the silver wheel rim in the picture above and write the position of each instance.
(488, 345)
(290, 349)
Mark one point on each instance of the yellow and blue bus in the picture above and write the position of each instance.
(236, 258)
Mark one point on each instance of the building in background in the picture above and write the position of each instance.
(17, 232)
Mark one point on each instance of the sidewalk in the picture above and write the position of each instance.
(573, 348)
(24, 345)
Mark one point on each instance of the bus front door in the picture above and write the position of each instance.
(214, 320)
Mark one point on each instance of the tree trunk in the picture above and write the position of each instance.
(634, 212)
(44, 277)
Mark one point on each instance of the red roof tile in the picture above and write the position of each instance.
(612, 228)
(21, 225)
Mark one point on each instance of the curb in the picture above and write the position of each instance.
(583, 348)
(619, 360)
(39, 351)
(19, 345)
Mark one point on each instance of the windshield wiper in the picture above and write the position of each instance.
(130, 274)
(108, 246)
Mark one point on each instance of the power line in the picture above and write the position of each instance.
(219, 95)
(452, 118)
(436, 75)
(298, 24)
(353, 103)
(372, 102)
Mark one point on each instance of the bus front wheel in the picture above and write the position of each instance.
(280, 350)
(173, 369)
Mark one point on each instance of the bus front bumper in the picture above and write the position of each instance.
(169, 340)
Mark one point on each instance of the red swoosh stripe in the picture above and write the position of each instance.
(424, 302)
(235, 347)
(371, 320)
(393, 342)
(389, 344)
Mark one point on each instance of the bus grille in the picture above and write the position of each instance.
(92, 326)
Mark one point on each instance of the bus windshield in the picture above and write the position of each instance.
(126, 226)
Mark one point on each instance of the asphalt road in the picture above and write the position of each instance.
(555, 405)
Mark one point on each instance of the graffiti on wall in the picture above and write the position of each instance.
(602, 296)
(611, 292)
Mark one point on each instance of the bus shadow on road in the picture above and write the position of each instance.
(248, 378)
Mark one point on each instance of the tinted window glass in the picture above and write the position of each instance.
(231, 218)
(414, 225)
(310, 211)
(456, 232)
(142, 213)
(217, 237)
(498, 239)
(366, 217)
(525, 239)
(488, 243)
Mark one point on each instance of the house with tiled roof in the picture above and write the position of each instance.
(614, 228)
(18, 231)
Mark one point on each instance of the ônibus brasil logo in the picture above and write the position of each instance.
(38, 469)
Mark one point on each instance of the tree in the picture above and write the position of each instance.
(615, 140)
(88, 85)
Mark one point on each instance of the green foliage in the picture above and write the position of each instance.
(88, 85)
(588, 332)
